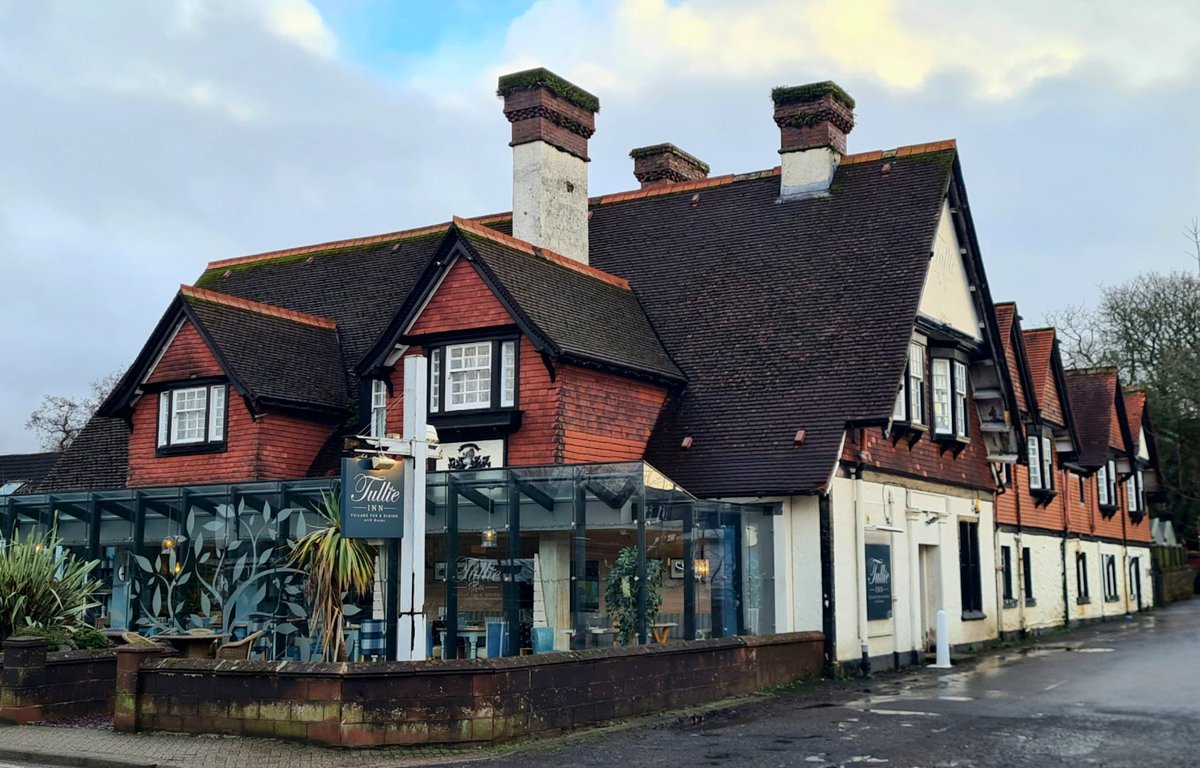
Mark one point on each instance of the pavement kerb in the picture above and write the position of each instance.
(71, 761)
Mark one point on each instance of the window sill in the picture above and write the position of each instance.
(187, 449)
(904, 430)
(973, 616)
(1030, 602)
(506, 420)
(1083, 600)
(1010, 602)
(1112, 599)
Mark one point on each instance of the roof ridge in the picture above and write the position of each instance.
(905, 151)
(547, 254)
(327, 246)
(203, 294)
(1095, 370)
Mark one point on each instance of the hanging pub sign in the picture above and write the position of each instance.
(372, 502)
(879, 581)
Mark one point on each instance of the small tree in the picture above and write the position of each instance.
(58, 420)
(43, 589)
(620, 593)
(336, 566)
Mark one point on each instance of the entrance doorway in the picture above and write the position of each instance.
(931, 593)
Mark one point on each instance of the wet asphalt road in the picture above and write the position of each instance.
(1124, 693)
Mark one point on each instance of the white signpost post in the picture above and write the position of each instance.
(413, 446)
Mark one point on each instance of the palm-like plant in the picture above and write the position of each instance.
(42, 591)
(336, 566)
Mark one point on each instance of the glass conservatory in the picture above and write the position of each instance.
(518, 560)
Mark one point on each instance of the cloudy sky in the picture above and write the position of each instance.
(141, 140)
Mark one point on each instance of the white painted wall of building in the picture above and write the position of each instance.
(946, 297)
(926, 519)
(1046, 560)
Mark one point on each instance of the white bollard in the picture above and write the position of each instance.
(943, 643)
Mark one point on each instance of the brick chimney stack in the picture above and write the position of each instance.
(813, 122)
(552, 121)
(661, 164)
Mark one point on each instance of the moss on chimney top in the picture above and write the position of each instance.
(544, 78)
(799, 94)
(668, 149)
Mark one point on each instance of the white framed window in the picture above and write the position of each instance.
(1109, 496)
(468, 376)
(508, 374)
(1035, 463)
(191, 416)
(378, 408)
(916, 383)
(1102, 485)
(960, 399)
(943, 418)
(473, 376)
(1047, 462)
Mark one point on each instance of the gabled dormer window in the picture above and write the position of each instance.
(191, 419)
(1040, 450)
(1106, 486)
(473, 376)
(949, 398)
(910, 400)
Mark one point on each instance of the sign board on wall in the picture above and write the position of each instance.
(879, 581)
(372, 503)
(473, 454)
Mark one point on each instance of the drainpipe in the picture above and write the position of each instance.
(917, 590)
(1125, 549)
(1066, 591)
(861, 598)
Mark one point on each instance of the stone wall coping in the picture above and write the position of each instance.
(22, 641)
(80, 656)
(341, 670)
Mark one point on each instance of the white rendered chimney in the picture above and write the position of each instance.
(813, 122)
(552, 121)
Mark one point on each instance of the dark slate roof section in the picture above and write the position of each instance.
(27, 468)
(97, 460)
(587, 320)
(1093, 394)
(783, 316)
(357, 286)
(262, 353)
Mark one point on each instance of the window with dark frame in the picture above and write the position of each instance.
(378, 408)
(472, 376)
(1082, 488)
(1006, 563)
(191, 418)
(969, 569)
(1110, 579)
(1027, 575)
(1083, 593)
(1106, 486)
(1039, 448)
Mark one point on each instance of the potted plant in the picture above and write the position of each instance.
(336, 566)
(621, 594)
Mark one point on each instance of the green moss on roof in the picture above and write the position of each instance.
(212, 277)
(798, 94)
(544, 78)
(667, 149)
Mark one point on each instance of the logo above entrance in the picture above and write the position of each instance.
(478, 454)
(372, 500)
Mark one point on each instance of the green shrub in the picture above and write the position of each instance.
(620, 593)
(89, 639)
(39, 591)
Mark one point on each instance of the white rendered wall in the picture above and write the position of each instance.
(946, 297)
(807, 172)
(550, 199)
(1045, 553)
(895, 505)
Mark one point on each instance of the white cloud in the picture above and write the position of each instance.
(1004, 48)
(300, 22)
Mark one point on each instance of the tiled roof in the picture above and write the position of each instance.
(28, 468)
(1039, 347)
(98, 459)
(783, 316)
(262, 349)
(1135, 406)
(1092, 393)
(1006, 319)
(586, 315)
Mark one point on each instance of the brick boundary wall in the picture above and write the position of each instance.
(39, 685)
(455, 701)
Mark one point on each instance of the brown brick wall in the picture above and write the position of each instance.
(462, 302)
(606, 417)
(36, 685)
(489, 700)
(188, 357)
